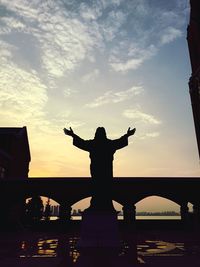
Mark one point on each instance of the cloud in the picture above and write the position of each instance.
(22, 96)
(64, 49)
(141, 116)
(23, 101)
(5, 52)
(149, 135)
(115, 97)
(64, 33)
(90, 76)
(90, 13)
(63, 119)
(169, 35)
(62, 39)
(133, 59)
(149, 27)
(112, 23)
(67, 92)
(130, 64)
(10, 24)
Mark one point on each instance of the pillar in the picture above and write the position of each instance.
(194, 85)
(65, 212)
(196, 213)
(129, 211)
(12, 215)
(184, 211)
(193, 38)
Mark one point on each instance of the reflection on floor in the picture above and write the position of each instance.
(60, 250)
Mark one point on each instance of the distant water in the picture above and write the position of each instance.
(77, 218)
(157, 218)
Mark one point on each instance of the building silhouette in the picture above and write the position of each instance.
(193, 38)
(14, 153)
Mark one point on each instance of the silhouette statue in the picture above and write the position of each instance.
(101, 151)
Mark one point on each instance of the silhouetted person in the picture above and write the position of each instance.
(101, 151)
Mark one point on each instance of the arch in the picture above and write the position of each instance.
(80, 198)
(44, 198)
(50, 209)
(15, 210)
(157, 206)
(162, 196)
(84, 203)
(30, 195)
(118, 201)
(81, 204)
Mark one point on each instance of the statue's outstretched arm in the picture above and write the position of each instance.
(69, 132)
(77, 140)
(123, 140)
(130, 132)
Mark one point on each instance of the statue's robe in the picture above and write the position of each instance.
(101, 167)
(101, 154)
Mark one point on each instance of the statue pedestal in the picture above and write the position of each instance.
(99, 229)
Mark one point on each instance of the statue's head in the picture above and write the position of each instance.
(100, 133)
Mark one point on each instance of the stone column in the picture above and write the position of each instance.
(194, 85)
(184, 212)
(129, 211)
(65, 212)
(13, 213)
(196, 213)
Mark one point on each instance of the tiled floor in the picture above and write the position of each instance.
(27, 249)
